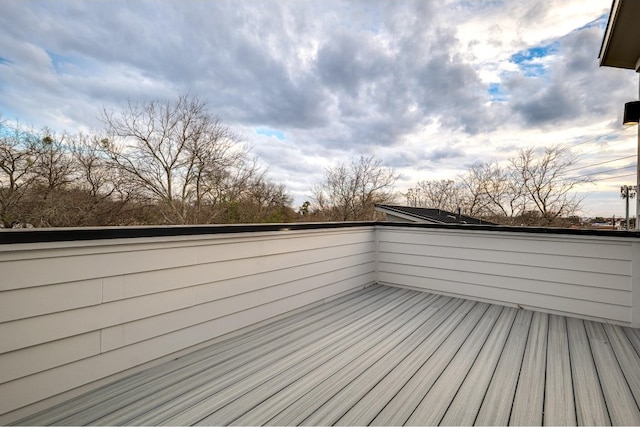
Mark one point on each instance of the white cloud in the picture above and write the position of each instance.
(430, 87)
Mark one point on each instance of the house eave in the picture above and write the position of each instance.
(620, 47)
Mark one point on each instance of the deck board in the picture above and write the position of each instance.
(400, 408)
(195, 405)
(359, 393)
(591, 408)
(529, 399)
(385, 356)
(628, 359)
(434, 405)
(498, 400)
(305, 398)
(559, 406)
(614, 386)
(376, 342)
(466, 404)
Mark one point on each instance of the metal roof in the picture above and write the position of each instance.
(437, 216)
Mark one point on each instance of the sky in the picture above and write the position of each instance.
(429, 87)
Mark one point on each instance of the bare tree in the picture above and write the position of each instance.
(491, 190)
(534, 188)
(54, 164)
(17, 171)
(546, 184)
(179, 155)
(349, 192)
(445, 194)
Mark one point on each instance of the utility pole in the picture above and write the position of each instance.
(628, 192)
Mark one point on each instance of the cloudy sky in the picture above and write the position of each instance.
(429, 87)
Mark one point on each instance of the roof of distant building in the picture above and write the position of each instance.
(437, 216)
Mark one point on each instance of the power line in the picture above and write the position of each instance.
(601, 163)
(610, 170)
(617, 176)
(579, 177)
(597, 137)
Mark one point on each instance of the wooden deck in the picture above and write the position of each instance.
(386, 356)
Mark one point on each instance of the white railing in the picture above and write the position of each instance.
(75, 314)
(586, 276)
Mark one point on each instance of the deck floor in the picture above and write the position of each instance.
(386, 356)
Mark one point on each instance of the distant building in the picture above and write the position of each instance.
(424, 215)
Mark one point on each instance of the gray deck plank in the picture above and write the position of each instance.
(399, 409)
(627, 357)
(171, 396)
(386, 355)
(197, 406)
(433, 309)
(633, 335)
(496, 407)
(590, 406)
(621, 404)
(559, 406)
(304, 376)
(528, 402)
(339, 395)
(108, 399)
(465, 406)
(434, 405)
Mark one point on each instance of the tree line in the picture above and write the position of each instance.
(173, 162)
(154, 163)
(534, 188)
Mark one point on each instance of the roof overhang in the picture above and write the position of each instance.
(621, 43)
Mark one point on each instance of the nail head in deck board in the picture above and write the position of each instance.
(590, 405)
(621, 405)
(434, 405)
(559, 406)
(496, 407)
(466, 403)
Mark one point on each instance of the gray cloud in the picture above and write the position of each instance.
(573, 88)
(340, 79)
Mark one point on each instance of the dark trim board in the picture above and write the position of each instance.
(46, 235)
(42, 235)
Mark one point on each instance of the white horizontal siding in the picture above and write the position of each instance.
(73, 313)
(583, 276)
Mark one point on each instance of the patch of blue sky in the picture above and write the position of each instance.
(4, 61)
(271, 132)
(534, 53)
(67, 63)
(530, 61)
(57, 60)
(496, 93)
